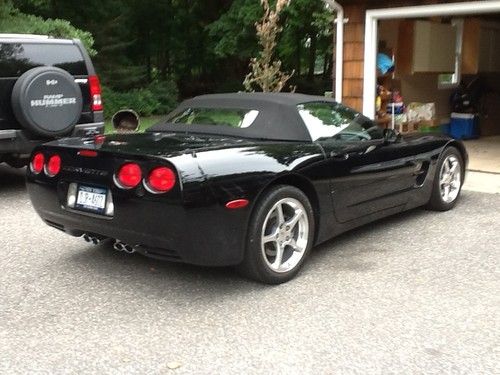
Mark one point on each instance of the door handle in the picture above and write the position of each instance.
(339, 156)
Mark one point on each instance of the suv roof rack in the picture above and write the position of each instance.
(24, 36)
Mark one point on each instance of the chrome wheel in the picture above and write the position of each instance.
(285, 234)
(450, 179)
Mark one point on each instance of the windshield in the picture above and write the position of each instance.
(326, 120)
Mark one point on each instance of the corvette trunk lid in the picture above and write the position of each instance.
(89, 162)
(153, 144)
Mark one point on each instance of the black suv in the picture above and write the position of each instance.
(48, 89)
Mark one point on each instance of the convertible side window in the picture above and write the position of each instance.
(335, 122)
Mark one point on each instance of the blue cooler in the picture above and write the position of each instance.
(464, 125)
(445, 128)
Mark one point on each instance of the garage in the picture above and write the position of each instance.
(428, 66)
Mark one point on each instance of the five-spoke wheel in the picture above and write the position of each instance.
(447, 181)
(450, 178)
(285, 235)
(281, 234)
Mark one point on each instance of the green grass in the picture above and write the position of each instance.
(145, 122)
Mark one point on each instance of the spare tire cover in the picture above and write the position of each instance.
(47, 101)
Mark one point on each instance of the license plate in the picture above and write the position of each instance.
(91, 199)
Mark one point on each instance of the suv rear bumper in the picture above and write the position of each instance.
(16, 141)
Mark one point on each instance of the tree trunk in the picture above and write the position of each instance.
(298, 56)
(325, 64)
(54, 8)
(148, 62)
(312, 56)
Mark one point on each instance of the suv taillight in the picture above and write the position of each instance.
(95, 93)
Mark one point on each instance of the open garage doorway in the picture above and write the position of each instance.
(446, 56)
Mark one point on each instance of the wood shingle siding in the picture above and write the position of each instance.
(354, 35)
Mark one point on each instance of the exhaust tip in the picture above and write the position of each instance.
(121, 246)
(93, 239)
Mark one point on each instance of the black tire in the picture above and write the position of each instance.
(47, 102)
(437, 202)
(254, 264)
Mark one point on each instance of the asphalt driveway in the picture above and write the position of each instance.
(416, 293)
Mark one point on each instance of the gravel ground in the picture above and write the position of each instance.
(416, 293)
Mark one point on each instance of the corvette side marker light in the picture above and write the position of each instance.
(238, 203)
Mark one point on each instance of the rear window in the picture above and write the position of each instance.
(235, 118)
(17, 58)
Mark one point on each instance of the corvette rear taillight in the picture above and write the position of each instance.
(160, 180)
(53, 166)
(129, 176)
(95, 93)
(37, 163)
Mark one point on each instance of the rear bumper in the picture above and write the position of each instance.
(17, 141)
(209, 235)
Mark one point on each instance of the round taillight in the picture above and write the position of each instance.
(129, 176)
(37, 163)
(160, 180)
(99, 139)
(53, 166)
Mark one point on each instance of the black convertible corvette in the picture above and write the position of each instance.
(253, 180)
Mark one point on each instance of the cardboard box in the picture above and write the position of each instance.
(408, 127)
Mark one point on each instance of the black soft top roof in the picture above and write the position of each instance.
(278, 117)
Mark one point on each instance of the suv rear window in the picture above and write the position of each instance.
(17, 58)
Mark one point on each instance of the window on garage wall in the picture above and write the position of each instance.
(451, 80)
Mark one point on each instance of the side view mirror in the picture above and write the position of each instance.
(126, 121)
(391, 136)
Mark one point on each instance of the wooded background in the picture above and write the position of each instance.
(152, 53)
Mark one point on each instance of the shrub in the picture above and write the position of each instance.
(13, 21)
(158, 98)
(167, 95)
